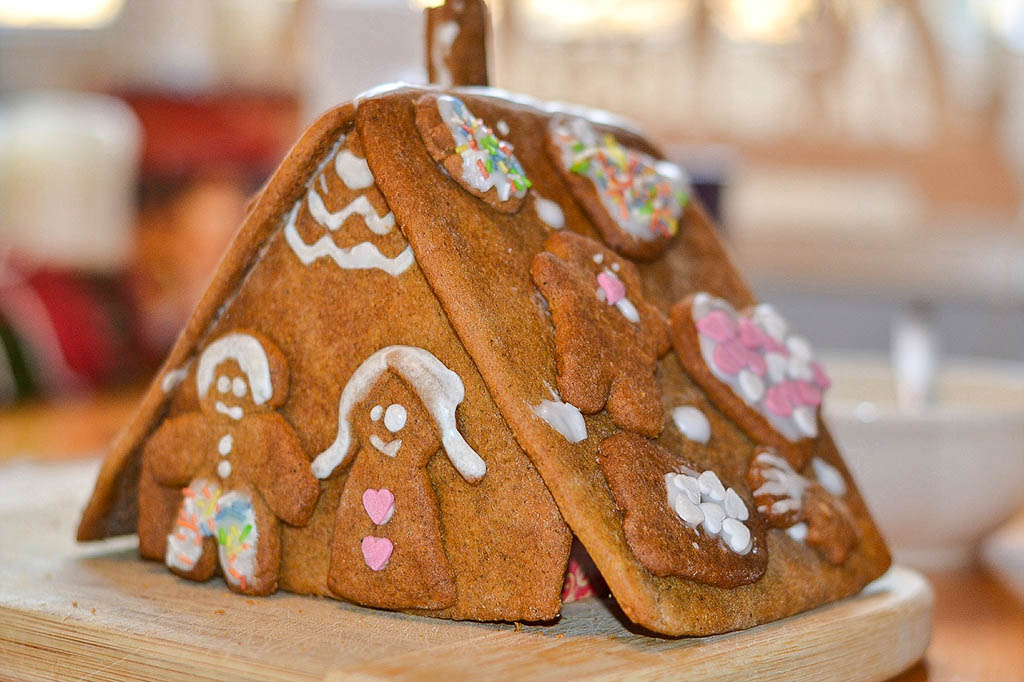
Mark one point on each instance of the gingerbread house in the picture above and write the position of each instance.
(459, 328)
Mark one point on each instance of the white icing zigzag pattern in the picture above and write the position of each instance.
(355, 173)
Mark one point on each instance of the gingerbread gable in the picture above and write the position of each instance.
(455, 278)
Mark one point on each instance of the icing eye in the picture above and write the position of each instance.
(615, 267)
(223, 384)
(395, 417)
(598, 258)
(238, 387)
(376, 412)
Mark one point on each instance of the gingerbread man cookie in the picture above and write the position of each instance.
(469, 151)
(754, 369)
(607, 337)
(680, 521)
(810, 511)
(388, 550)
(635, 200)
(239, 465)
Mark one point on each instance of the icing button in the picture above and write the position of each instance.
(692, 423)
(225, 444)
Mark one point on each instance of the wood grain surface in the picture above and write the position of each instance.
(97, 612)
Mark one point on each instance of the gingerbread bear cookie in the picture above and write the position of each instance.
(607, 337)
(388, 550)
(811, 511)
(754, 369)
(239, 465)
(679, 520)
(469, 151)
(635, 200)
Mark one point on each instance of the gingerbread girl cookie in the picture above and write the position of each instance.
(388, 550)
(239, 465)
(607, 337)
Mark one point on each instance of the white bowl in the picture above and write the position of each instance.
(937, 482)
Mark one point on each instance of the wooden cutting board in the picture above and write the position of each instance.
(97, 612)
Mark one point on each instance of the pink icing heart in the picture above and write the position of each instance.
(377, 552)
(613, 287)
(379, 505)
(717, 326)
(777, 402)
(730, 357)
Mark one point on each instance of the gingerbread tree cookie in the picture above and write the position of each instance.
(810, 511)
(607, 337)
(759, 373)
(635, 200)
(239, 465)
(387, 549)
(679, 520)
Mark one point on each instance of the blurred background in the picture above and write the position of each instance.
(865, 158)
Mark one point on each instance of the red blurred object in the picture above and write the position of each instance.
(63, 331)
(188, 133)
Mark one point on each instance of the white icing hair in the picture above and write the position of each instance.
(247, 351)
(439, 388)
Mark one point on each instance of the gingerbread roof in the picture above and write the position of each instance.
(579, 340)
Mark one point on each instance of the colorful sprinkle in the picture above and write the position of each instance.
(487, 161)
(644, 196)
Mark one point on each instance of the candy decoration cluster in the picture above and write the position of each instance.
(487, 161)
(644, 196)
(703, 501)
(772, 370)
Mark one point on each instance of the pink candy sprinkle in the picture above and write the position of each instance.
(730, 357)
(777, 402)
(751, 334)
(613, 287)
(755, 361)
(717, 326)
(820, 377)
(808, 393)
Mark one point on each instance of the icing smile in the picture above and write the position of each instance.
(390, 449)
(235, 412)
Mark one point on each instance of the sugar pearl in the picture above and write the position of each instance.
(734, 505)
(714, 515)
(686, 510)
(736, 535)
(710, 486)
